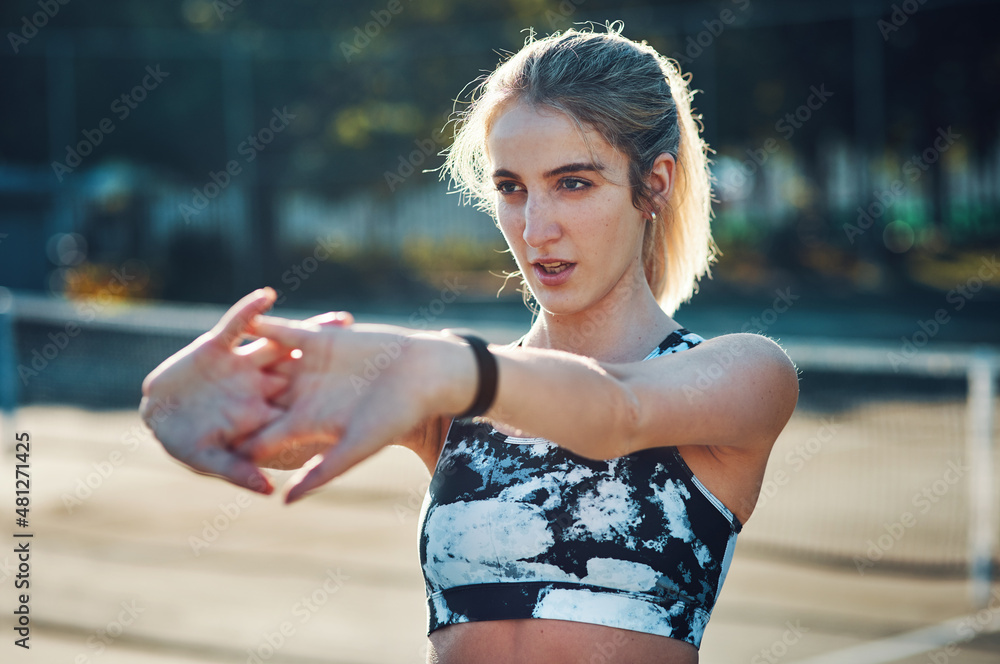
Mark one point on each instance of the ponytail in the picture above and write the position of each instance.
(678, 248)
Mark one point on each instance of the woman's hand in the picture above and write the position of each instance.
(353, 391)
(213, 392)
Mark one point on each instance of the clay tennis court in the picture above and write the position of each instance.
(136, 560)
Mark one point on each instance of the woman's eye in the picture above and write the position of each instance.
(507, 187)
(573, 184)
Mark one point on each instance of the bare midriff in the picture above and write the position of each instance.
(537, 641)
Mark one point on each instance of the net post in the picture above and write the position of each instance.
(8, 370)
(982, 481)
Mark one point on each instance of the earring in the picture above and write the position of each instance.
(652, 217)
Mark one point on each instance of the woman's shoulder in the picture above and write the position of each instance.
(748, 346)
(740, 377)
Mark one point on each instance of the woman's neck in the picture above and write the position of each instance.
(623, 326)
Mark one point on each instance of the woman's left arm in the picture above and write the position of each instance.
(359, 388)
(737, 390)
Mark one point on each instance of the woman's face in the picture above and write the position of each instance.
(565, 208)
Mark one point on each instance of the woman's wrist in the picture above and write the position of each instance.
(451, 372)
(486, 371)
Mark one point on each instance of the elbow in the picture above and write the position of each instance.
(779, 391)
(785, 377)
(631, 422)
(621, 433)
(788, 387)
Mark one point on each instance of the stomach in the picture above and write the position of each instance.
(545, 641)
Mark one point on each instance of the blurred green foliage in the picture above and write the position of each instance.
(367, 80)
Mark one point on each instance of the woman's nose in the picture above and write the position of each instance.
(540, 223)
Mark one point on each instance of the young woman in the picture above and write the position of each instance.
(589, 512)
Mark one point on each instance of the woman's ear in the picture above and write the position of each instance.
(661, 177)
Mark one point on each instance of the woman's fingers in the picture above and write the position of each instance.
(278, 446)
(273, 385)
(286, 367)
(292, 457)
(269, 439)
(336, 318)
(296, 482)
(283, 400)
(236, 322)
(290, 333)
(229, 466)
(296, 333)
(320, 470)
(368, 432)
(264, 353)
(335, 461)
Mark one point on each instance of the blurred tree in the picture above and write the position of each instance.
(366, 83)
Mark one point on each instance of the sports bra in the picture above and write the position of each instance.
(523, 528)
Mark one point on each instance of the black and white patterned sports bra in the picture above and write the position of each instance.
(523, 528)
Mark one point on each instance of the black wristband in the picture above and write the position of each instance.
(488, 375)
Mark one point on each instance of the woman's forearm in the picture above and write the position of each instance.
(568, 399)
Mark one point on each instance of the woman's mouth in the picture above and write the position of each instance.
(554, 268)
(553, 273)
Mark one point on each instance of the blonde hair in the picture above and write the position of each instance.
(641, 104)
